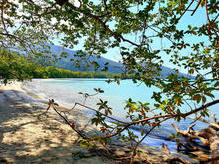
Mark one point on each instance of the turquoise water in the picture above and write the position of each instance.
(65, 92)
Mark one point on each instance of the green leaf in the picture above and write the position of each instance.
(197, 97)
(203, 99)
(210, 95)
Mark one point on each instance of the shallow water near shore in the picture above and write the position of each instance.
(65, 92)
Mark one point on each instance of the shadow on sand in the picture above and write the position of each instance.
(27, 138)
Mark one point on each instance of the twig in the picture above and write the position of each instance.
(99, 113)
(215, 18)
(210, 23)
(196, 119)
(2, 16)
(66, 121)
(138, 143)
(206, 8)
(196, 7)
(216, 125)
(189, 128)
(186, 10)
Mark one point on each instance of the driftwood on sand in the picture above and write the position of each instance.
(209, 138)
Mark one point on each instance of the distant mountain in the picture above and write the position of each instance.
(65, 63)
(113, 67)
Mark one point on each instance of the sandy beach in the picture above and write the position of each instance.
(28, 135)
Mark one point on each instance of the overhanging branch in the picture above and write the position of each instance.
(98, 20)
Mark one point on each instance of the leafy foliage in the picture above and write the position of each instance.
(53, 72)
(15, 66)
(132, 28)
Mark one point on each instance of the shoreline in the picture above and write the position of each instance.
(41, 137)
(155, 140)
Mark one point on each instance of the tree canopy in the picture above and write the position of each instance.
(133, 27)
(147, 34)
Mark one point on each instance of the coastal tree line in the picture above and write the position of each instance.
(12, 66)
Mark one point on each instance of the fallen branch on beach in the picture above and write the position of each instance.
(52, 104)
(207, 136)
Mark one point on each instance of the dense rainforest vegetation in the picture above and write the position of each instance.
(53, 72)
(12, 65)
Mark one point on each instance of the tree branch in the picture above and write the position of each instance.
(138, 143)
(2, 17)
(196, 8)
(200, 108)
(99, 112)
(13, 36)
(103, 24)
(67, 122)
(177, 115)
(186, 10)
(185, 133)
(205, 121)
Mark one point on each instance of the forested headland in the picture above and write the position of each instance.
(13, 65)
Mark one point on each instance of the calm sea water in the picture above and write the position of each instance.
(65, 92)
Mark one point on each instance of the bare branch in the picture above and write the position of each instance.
(184, 133)
(205, 121)
(186, 10)
(99, 112)
(196, 8)
(148, 132)
(66, 121)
